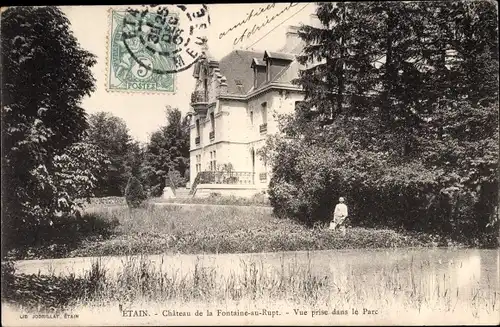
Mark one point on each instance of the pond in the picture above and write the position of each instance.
(451, 283)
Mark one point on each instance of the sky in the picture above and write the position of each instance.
(145, 112)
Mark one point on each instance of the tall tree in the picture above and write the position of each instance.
(167, 151)
(111, 135)
(397, 60)
(45, 75)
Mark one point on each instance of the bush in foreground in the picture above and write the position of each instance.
(134, 193)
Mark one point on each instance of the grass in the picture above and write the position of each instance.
(258, 199)
(207, 229)
(111, 229)
(295, 283)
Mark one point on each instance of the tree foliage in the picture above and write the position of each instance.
(134, 193)
(45, 74)
(167, 151)
(400, 116)
(111, 135)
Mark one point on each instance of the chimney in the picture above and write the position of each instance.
(314, 21)
(223, 85)
(292, 39)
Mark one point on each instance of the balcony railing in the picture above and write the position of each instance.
(224, 177)
(198, 96)
(197, 140)
(263, 177)
(211, 135)
(199, 102)
(263, 128)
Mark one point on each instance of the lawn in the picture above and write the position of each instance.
(198, 229)
(258, 199)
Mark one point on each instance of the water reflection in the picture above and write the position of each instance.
(428, 283)
(437, 269)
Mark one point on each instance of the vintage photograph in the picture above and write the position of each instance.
(291, 163)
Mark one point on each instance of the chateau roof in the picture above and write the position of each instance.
(279, 55)
(238, 65)
(258, 62)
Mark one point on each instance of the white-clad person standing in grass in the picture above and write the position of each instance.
(339, 215)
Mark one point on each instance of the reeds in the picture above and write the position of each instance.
(292, 281)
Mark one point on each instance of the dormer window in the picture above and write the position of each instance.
(276, 62)
(268, 69)
(259, 72)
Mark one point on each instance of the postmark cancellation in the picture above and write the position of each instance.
(147, 46)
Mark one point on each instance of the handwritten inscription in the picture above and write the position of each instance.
(250, 15)
(253, 15)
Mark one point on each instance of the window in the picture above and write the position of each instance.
(264, 113)
(268, 70)
(251, 118)
(255, 83)
(297, 105)
(239, 85)
(197, 137)
(211, 134)
(213, 162)
(205, 90)
(198, 163)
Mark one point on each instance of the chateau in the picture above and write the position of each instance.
(234, 108)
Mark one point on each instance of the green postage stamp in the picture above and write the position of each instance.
(132, 66)
(148, 46)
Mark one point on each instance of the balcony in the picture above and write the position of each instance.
(263, 128)
(211, 135)
(199, 102)
(198, 97)
(263, 177)
(197, 140)
(224, 177)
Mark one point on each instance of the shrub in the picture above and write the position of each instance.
(134, 193)
(56, 191)
(177, 179)
(383, 192)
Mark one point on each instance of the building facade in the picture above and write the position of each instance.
(235, 106)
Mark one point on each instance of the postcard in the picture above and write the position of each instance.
(290, 163)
